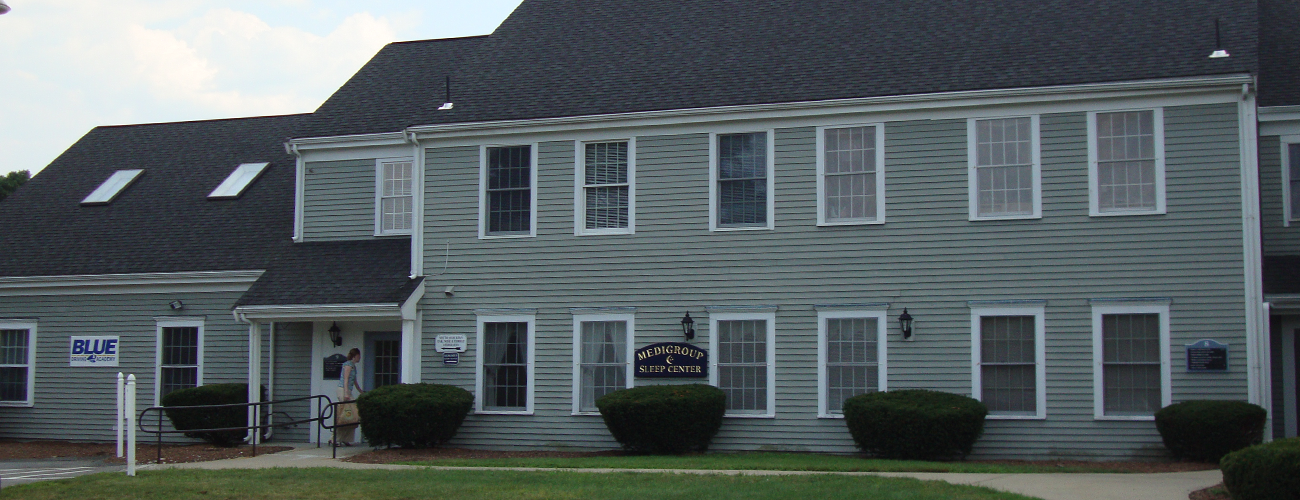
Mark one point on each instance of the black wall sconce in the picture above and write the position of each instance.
(336, 334)
(905, 324)
(688, 326)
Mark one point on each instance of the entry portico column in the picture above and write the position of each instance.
(254, 378)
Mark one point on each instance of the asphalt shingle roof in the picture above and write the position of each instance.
(337, 272)
(1279, 53)
(554, 58)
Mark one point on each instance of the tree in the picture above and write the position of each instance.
(10, 183)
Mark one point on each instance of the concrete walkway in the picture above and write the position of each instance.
(1165, 486)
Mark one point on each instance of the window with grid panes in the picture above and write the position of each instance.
(852, 364)
(603, 365)
(606, 190)
(1008, 365)
(505, 366)
(1126, 161)
(395, 202)
(180, 359)
(15, 367)
(509, 190)
(1131, 371)
(1004, 167)
(1293, 169)
(388, 362)
(742, 365)
(850, 174)
(742, 180)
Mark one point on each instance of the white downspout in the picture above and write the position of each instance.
(254, 371)
(270, 380)
(299, 191)
(417, 200)
(1257, 378)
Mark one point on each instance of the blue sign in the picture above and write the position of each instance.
(451, 358)
(671, 360)
(1207, 356)
(93, 351)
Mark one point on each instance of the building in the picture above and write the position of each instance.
(1063, 200)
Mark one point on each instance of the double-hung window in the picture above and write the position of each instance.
(744, 361)
(1007, 353)
(602, 358)
(508, 197)
(395, 204)
(180, 355)
(17, 359)
(1005, 168)
(851, 175)
(741, 190)
(1126, 162)
(850, 357)
(504, 379)
(1131, 360)
(1291, 179)
(606, 188)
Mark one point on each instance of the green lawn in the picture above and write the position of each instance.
(756, 461)
(336, 484)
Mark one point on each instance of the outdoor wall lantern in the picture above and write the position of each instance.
(905, 324)
(176, 305)
(336, 335)
(688, 326)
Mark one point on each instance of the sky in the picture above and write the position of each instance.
(67, 66)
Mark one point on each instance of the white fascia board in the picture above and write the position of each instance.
(309, 311)
(398, 138)
(1279, 113)
(94, 283)
(1161, 87)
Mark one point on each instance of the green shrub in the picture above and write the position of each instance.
(915, 424)
(212, 394)
(664, 419)
(1208, 430)
(413, 415)
(1264, 472)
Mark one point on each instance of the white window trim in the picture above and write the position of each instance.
(578, 320)
(196, 322)
(771, 181)
(531, 319)
(580, 184)
(1098, 387)
(770, 317)
(972, 176)
(1040, 353)
(1285, 159)
(880, 177)
(482, 192)
(1094, 204)
(882, 342)
(30, 326)
(379, 197)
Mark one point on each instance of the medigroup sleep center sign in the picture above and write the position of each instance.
(93, 351)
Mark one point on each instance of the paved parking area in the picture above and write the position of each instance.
(13, 472)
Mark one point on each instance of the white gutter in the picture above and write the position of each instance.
(315, 311)
(1279, 113)
(135, 279)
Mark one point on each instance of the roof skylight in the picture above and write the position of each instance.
(105, 193)
(238, 181)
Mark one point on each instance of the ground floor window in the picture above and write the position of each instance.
(602, 358)
(17, 356)
(851, 357)
(505, 371)
(1131, 360)
(744, 361)
(180, 355)
(1007, 353)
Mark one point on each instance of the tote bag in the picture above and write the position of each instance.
(347, 415)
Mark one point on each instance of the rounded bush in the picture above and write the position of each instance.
(1207, 430)
(212, 394)
(413, 415)
(664, 419)
(915, 424)
(1264, 472)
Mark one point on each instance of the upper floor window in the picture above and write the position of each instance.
(1291, 180)
(741, 190)
(1005, 168)
(1131, 361)
(396, 204)
(850, 175)
(17, 358)
(1007, 350)
(1126, 162)
(508, 198)
(606, 198)
(180, 355)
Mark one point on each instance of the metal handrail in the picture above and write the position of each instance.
(160, 410)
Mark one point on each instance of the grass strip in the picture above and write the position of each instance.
(339, 484)
(758, 461)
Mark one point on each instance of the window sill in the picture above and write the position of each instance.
(1016, 417)
(1115, 418)
(741, 228)
(831, 416)
(1126, 213)
(749, 415)
(17, 404)
(608, 232)
(853, 222)
(586, 414)
(391, 234)
(1006, 217)
(502, 412)
(506, 236)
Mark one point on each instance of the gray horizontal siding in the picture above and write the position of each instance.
(928, 258)
(1278, 239)
(339, 200)
(292, 378)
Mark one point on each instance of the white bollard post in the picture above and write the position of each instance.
(130, 425)
(117, 425)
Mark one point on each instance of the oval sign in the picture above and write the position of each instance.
(671, 360)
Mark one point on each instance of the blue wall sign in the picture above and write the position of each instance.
(671, 360)
(93, 351)
(451, 358)
(1207, 356)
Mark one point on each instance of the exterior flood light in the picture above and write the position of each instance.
(905, 324)
(176, 305)
(4, 9)
(688, 326)
(336, 334)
